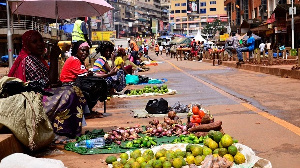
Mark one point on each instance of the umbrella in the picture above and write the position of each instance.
(55, 9)
(61, 9)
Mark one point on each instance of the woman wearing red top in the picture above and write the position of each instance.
(73, 67)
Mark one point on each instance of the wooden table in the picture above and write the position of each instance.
(179, 52)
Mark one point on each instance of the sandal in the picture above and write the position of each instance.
(94, 114)
(62, 140)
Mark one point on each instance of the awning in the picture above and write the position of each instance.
(260, 28)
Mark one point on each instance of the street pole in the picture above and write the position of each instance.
(293, 38)
(9, 37)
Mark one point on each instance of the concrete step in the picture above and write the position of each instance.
(284, 71)
(9, 145)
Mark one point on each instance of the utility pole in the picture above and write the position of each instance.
(293, 32)
(9, 37)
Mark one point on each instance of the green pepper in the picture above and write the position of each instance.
(148, 144)
(129, 144)
(152, 142)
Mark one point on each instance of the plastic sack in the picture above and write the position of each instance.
(157, 106)
(132, 79)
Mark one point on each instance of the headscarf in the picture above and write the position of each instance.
(18, 68)
(77, 45)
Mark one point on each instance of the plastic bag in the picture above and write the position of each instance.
(157, 106)
(132, 79)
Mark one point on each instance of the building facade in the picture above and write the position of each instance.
(189, 16)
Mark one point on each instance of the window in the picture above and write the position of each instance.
(213, 9)
(178, 20)
(183, 4)
(177, 4)
(172, 18)
(183, 11)
(172, 11)
(177, 11)
(184, 19)
(202, 3)
(202, 11)
(213, 2)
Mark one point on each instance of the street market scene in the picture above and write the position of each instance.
(154, 84)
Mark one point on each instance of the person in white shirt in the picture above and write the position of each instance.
(161, 49)
(268, 44)
(262, 47)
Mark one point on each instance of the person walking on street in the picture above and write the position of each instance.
(134, 51)
(161, 49)
(156, 49)
(80, 32)
(249, 46)
(262, 47)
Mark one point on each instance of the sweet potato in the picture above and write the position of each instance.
(207, 127)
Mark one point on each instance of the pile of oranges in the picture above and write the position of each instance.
(197, 115)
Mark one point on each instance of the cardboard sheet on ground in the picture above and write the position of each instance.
(170, 92)
(251, 159)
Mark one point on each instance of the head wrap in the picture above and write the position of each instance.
(78, 45)
(18, 69)
(121, 52)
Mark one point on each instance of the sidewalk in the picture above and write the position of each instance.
(284, 71)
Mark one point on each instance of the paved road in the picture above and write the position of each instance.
(259, 110)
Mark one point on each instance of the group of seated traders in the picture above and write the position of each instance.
(30, 65)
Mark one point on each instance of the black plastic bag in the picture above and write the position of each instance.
(143, 79)
(157, 106)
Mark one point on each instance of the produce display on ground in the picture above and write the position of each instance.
(148, 91)
(187, 156)
(201, 142)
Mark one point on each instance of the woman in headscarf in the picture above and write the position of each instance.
(65, 108)
(115, 78)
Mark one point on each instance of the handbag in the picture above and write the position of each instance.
(93, 88)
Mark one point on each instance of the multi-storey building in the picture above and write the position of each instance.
(189, 16)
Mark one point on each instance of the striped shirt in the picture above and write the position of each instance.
(99, 65)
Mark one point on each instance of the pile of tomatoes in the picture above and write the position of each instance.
(197, 116)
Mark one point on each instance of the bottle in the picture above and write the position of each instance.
(91, 143)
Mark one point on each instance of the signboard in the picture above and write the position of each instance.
(103, 35)
(224, 37)
(280, 29)
(291, 10)
(154, 25)
(192, 6)
(161, 25)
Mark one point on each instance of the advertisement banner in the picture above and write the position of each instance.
(192, 6)
(154, 25)
(103, 35)
(161, 25)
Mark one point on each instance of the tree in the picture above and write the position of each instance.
(212, 28)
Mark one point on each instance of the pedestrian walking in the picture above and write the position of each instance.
(161, 49)
(262, 47)
(156, 49)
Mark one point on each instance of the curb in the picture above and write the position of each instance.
(284, 73)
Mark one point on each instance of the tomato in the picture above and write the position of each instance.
(196, 116)
(201, 113)
(195, 110)
(198, 120)
(193, 120)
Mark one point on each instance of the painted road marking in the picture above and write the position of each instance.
(275, 119)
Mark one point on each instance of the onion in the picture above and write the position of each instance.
(159, 129)
(176, 118)
(154, 131)
(155, 121)
(184, 128)
(184, 133)
(159, 125)
(171, 114)
(164, 133)
(122, 131)
(178, 132)
(157, 134)
(169, 133)
(118, 142)
(167, 120)
(112, 137)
